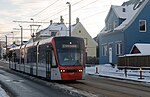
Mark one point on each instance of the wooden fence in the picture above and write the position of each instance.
(134, 61)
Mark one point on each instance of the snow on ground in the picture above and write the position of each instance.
(3, 93)
(108, 70)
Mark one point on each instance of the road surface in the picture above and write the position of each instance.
(18, 86)
(100, 86)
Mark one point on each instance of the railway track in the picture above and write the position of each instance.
(107, 87)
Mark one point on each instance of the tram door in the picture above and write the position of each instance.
(48, 62)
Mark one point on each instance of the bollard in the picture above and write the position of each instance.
(96, 70)
(125, 71)
(141, 73)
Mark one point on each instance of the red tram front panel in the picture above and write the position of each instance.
(71, 73)
(69, 52)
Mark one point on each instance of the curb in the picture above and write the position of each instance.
(10, 92)
(125, 80)
(67, 89)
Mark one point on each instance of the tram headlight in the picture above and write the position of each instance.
(62, 70)
(80, 70)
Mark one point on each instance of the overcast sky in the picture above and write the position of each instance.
(91, 13)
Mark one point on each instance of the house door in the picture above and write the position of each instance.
(110, 54)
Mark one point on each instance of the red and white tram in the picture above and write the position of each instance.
(56, 58)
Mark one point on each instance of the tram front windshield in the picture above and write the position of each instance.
(70, 57)
(70, 53)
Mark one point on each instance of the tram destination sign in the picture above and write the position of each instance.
(69, 46)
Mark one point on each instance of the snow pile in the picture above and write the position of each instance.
(110, 71)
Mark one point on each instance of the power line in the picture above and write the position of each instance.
(85, 6)
(77, 2)
(54, 14)
(29, 22)
(45, 8)
(76, 9)
(93, 15)
(62, 11)
(14, 37)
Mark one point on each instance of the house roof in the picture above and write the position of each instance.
(132, 9)
(79, 24)
(61, 27)
(124, 15)
(143, 48)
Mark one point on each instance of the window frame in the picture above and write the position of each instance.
(145, 26)
(104, 50)
(119, 48)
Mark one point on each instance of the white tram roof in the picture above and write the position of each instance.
(44, 41)
(32, 44)
(17, 47)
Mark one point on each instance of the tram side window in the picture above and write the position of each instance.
(53, 60)
(42, 54)
(34, 56)
(29, 56)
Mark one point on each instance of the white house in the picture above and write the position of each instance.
(77, 30)
(54, 29)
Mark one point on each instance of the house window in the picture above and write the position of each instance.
(142, 25)
(104, 50)
(53, 33)
(123, 10)
(118, 48)
(79, 31)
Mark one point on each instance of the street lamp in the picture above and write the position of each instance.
(32, 28)
(6, 47)
(69, 18)
(21, 36)
(12, 37)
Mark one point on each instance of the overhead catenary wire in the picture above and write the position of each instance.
(93, 15)
(85, 5)
(75, 9)
(54, 14)
(77, 2)
(62, 11)
(45, 8)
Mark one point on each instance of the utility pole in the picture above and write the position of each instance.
(69, 18)
(6, 47)
(32, 28)
(21, 43)
(13, 37)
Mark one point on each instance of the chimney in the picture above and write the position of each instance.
(77, 20)
(51, 22)
(61, 20)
